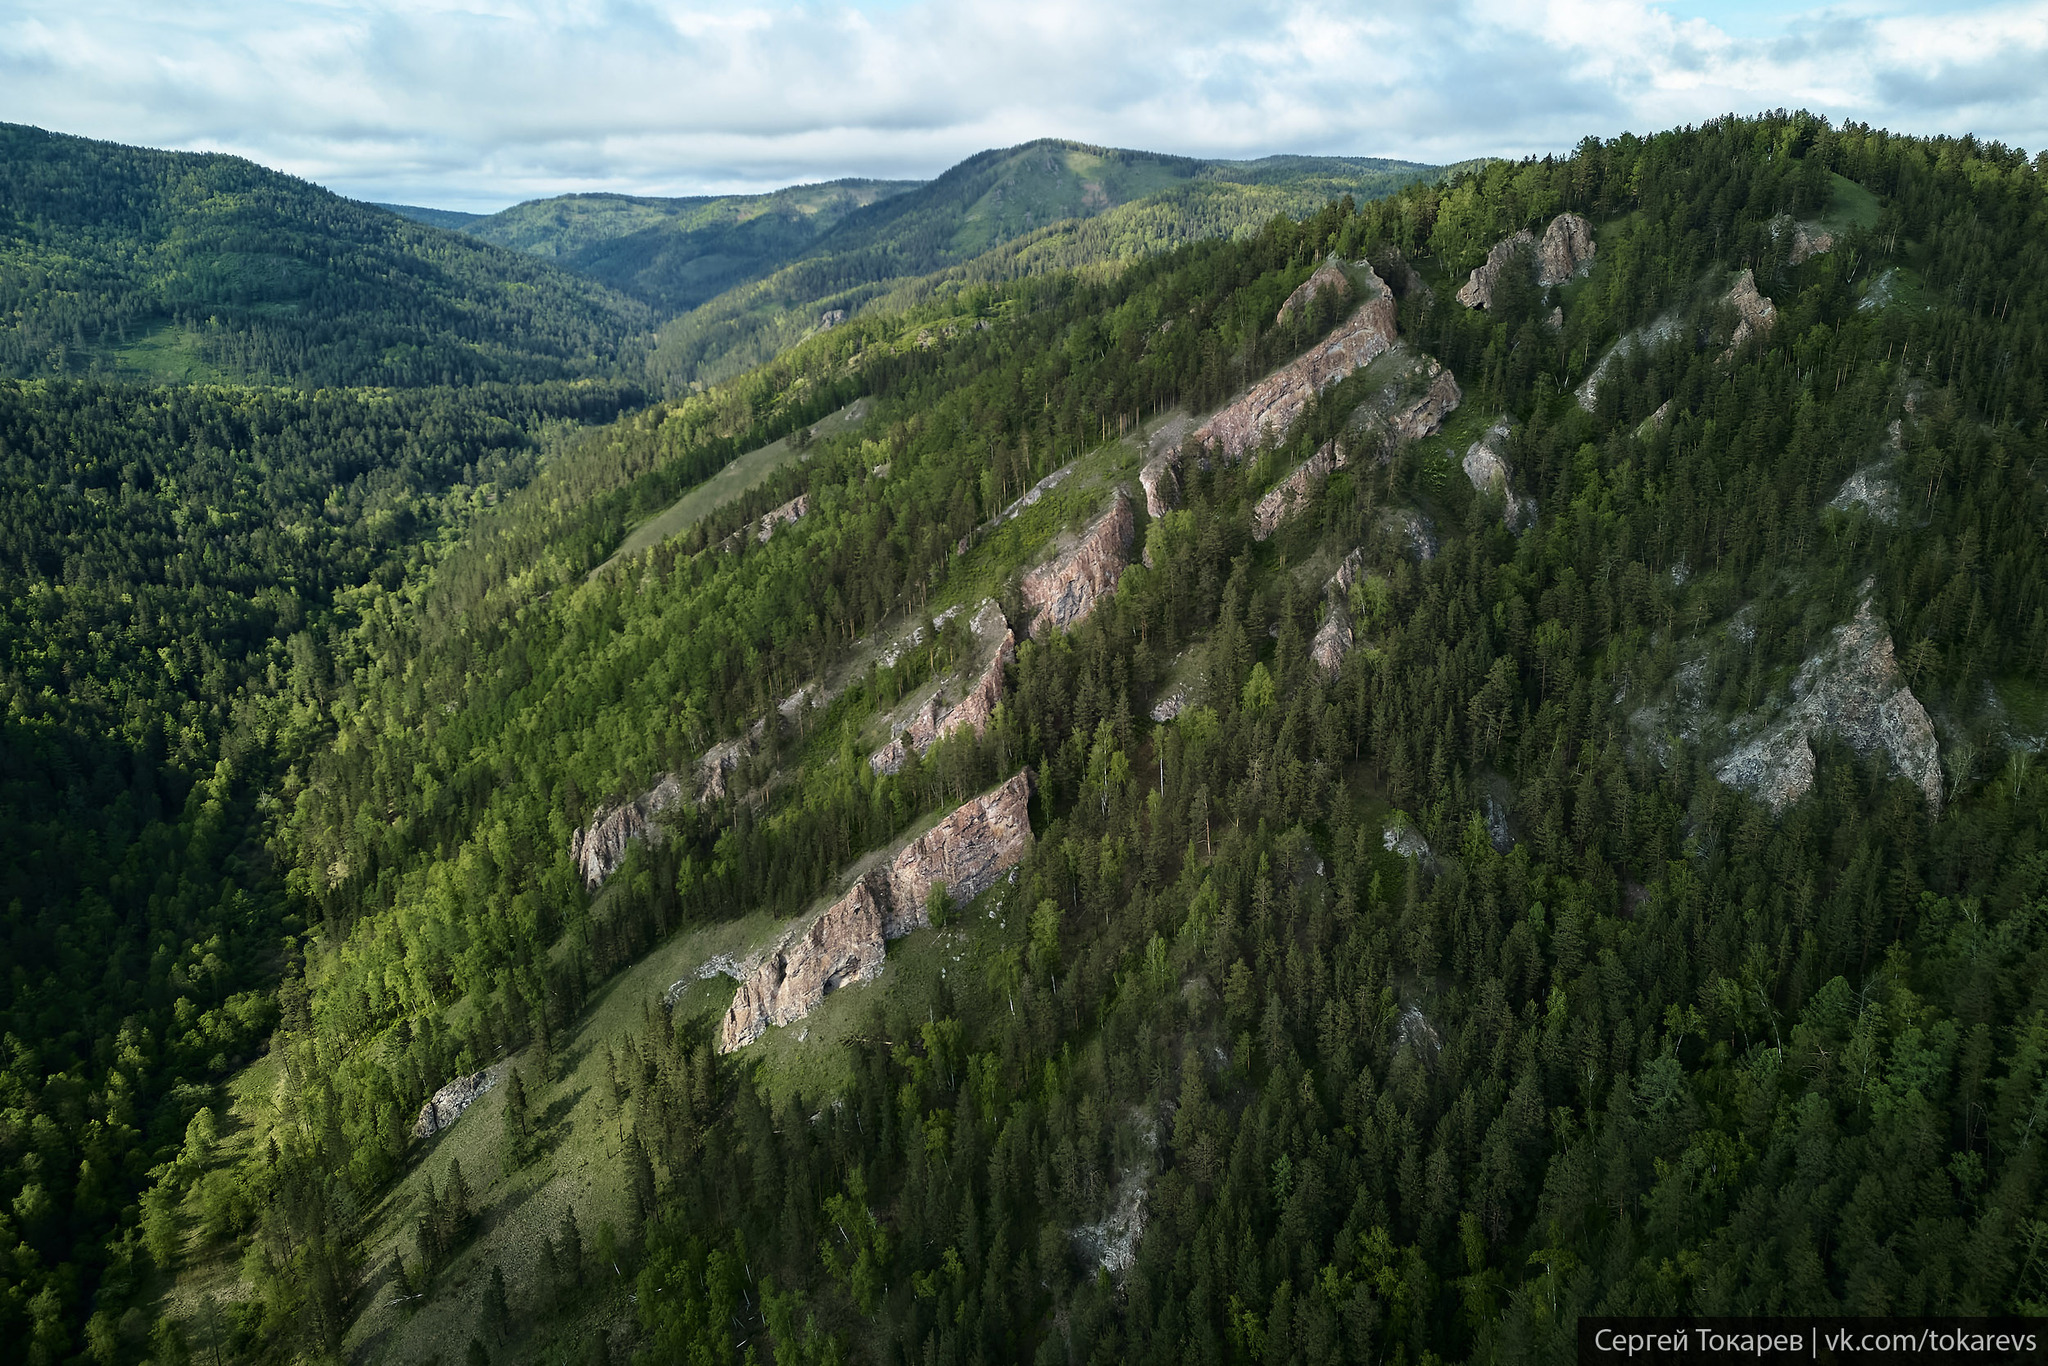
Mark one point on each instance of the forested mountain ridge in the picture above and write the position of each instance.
(1407, 1006)
(1116, 205)
(186, 265)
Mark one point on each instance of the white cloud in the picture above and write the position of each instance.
(480, 103)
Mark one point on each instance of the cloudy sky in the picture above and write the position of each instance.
(479, 103)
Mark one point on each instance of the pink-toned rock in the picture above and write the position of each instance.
(1566, 250)
(1334, 638)
(599, 848)
(1754, 314)
(1477, 292)
(1423, 416)
(788, 512)
(1329, 277)
(932, 722)
(1064, 591)
(1810, 240)
(967, 852)
(1275, 402)
(1284, 498)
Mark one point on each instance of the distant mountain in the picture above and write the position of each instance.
(988, 205)
(452, 219)
(673, 254)
(189, 265)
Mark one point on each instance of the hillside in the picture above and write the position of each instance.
(1352, 790)
(1146, 201)
(183, 265)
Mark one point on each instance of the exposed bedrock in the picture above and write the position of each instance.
(966, 852)
(934, 721)
(448, 1103)
(1334, 639)
(1064, 591)
(1566, 250)
(1850, 689)
(1754, 314)
(1275, 402)
(1329, 278)
(1289, 494)
(790, 511)
(1486, 465)
(1160, 478)
(600, 847)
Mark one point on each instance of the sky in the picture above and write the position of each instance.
(476, 104)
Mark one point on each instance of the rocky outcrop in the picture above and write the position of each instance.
(934, 721)
(1064, 591)
(1565, 251)
(1477, 292)
(1851, 689)
(1160, 478)
(599, 848)
(788, 512)
(1413, 402)
(1486, 465)
(450, 1101)
(1427, 412)
(1290, 493)
(1333, 639)
(1808, 239)
(1329, 278)
(1754, 314)
(1870, 490)
(966, 852)
(1390, 265)
(1416, 532)
(720, 760)
(1275, 402)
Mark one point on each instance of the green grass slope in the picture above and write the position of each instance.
(189, 265)
(990, 203)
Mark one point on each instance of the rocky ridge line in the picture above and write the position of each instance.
(966, 852)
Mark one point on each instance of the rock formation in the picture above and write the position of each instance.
(932, 722)
(450, 1101)
(1754, 314)
(967, 852)
(1808, 239)
(1850, 689)
(1427, 412)
(1283, 498)
(1064, 591)
(1487, 467)
(1566, 250)
(1333, 639)
(1275, 402)
(599, 848)
(1160, 478)
(788, 512)
(1871, 491)
(1417, 531)
(1477, 292)
(1328, 277)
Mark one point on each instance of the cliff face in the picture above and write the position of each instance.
(788, 512)
(1754, 314)
(933, 721)
(600, 847)
(1486, 466)
(1850, 689)
(1427, 412)
(1477, 292)
(1275, 402)
(1063, 592)
(1566, 250)
(967, 852)
(1333, 639)
(1283, 498)
(1160, 478)
(1328, 278)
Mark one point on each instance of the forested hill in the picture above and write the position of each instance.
(1145, 201)
(183, 265)
(1556, 829)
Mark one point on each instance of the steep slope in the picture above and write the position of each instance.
(189, 265)
(999, 214)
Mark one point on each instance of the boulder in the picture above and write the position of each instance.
(1064, 591)
(1328, 278)
(1486, 466)
(1275, 402)
(1851, 689)
(1477, 292)
(1566, 250)
(599, 848)
(450, 1101)
(1160, 478)
(967, 852)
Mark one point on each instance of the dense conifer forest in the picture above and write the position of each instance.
(1400, 1013)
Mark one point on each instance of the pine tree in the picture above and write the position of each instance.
(497, 1313)
(517, 1132)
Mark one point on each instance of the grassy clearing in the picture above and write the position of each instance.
(744, 473)
(166, 354)
(1849, 206)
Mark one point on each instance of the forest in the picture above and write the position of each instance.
(1401, 1012)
